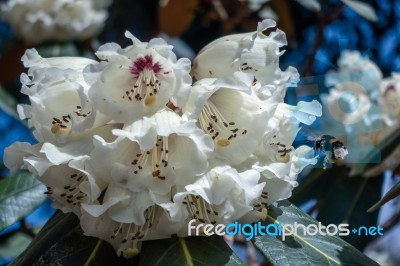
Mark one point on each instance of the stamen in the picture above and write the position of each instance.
(131, 233)
(261, 206)
(147, 85)
(158, 156)
(72, 193)
(214, 123)
(200, 210)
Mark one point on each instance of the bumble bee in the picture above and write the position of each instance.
(329, 143)
(332, 148)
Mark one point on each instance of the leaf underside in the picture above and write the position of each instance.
(305, 250)
(391, 194)
(19, 196)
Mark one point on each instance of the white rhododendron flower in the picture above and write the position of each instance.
(69, 162)
(364, 106)
(153, 221)
(226, 110)
(162, 147)
(37, 21)
(389, 103)
(136, 151)
(354, 67)
(222, 195)
(59, 106)
(389, 98)
(253, 52)
(276, 159)
(138, 80)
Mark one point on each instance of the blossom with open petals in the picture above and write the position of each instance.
(63, 168)
(127, 218)
(59, 107)
(153, 153)
(227, 111)
(138, 80)
(222, 195)
(254, 52)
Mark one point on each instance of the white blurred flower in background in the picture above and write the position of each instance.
(38, 21)
(364, 106)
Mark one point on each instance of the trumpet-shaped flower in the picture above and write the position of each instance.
(59, 106)
(126, 218)
(226, 110)
(254, 52)
(138, 80)
(222, 195)
(153, 153)
(64, 169)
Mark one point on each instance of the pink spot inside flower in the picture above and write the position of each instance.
(390, 88)
(143, 63)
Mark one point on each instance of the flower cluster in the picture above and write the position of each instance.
(365, 104)
(36, 21)
(136, 150)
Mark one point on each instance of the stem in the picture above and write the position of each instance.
(93, 254)
(186, 251)
(355, 200)
(323, 20)
(26, 229)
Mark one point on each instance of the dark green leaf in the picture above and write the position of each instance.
(61, 242)
(305, 250)
(346, 200)
(19, 195)
(391, 194)
(386, 147)
(311, 185)
(13, 245)
(188, 251)
(8, 103)
(58, 49)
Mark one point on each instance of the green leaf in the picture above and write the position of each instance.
(386, 147)
(305, 250)
(61, 242)
(311, 186)
(58, 49)
(391, 194)
(19, 196)
(188, 251)
(345, 200)
(8, 103)
(13, 245)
